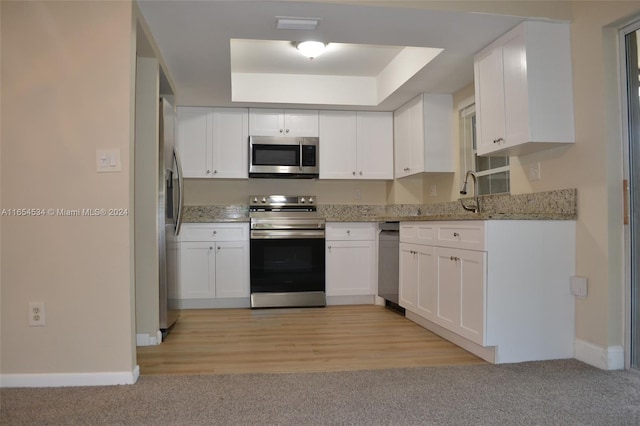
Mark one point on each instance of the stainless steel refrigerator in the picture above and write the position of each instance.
(170, 207)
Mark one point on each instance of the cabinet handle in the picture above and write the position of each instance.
(348, 231)
(455, 234)
(360, 173)
(498, 140)
(281, 130)
(215, 172)
(353, 173)
(329, 247)
(208, 172)
(454, 258)
(286, 131)
(210, 248)
(218, 247)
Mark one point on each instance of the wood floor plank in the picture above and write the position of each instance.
(335, 338)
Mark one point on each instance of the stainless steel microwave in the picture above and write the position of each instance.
(283, 157)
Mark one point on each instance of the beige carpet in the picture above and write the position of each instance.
(538, 393)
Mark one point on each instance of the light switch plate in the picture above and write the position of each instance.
(108, 160)
(579, 286)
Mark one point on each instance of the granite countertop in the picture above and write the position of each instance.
(454, 217)
(550, 205)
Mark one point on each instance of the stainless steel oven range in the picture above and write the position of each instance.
(287, 252)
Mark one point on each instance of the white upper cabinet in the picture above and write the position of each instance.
(356, 145)
(524, 90)
(375, 145)
(423, 133)
(213, 142)
(283, 122)
(230, 143)
(194, 140)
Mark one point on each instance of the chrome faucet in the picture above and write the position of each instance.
(475, 207)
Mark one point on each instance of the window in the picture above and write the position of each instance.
(492, 172)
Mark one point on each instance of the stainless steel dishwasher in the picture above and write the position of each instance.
(388, 261)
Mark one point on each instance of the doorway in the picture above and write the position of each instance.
(630, 38)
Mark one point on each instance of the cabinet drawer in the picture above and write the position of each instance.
(418, 233)
(214, 232)
(351, 231)
(465, 235)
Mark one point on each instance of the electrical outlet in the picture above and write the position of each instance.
(36, 314)
(433, 190)
(357, 194)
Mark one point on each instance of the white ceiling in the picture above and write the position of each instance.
(194, 39)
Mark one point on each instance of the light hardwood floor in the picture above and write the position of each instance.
(335, 338)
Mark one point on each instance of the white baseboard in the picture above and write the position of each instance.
(69, 379)
(144, 339)
(605, 358)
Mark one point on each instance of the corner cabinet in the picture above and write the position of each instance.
(499, 289)
(423, 133)
(213, 265)
(351, 262)
(283, 122)
(356, 145)
(213, 142)
(524, 90)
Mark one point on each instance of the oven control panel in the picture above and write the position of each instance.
(282, 200)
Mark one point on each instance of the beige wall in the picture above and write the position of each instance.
(66, 89)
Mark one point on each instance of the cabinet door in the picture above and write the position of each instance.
(461, 287)
(194, 141)
(338, 151)
(402, 145)
(197, 270)
(374, 145)
(350, 268)
(232, 269)
(516, 98)
(408, 277)
(472, 295)
(416, 136)
(266, 122)
(490, 109)
(230, 143)
(427, 289)
(300, 122)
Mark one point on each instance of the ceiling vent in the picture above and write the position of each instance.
(291, 23)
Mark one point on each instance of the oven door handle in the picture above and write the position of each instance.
(286, 234)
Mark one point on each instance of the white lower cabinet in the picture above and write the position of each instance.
(499, 289)
(213, 265)
(460, 291)
(351, 262)
(417, 289)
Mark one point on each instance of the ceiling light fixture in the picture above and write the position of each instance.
(291, 23)
(311, 49)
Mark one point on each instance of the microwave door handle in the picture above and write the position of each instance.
(300, 155)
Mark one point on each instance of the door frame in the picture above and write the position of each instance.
(631, 26)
